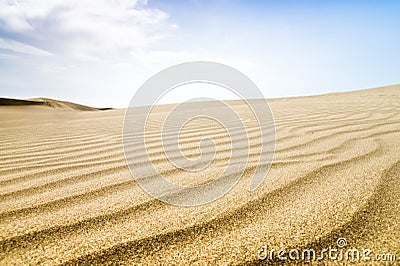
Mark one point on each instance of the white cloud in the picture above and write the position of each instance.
(84, 29)
(21, 48)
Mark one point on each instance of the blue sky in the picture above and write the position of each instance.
(98, 52)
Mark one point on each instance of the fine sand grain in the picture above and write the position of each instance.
(67, 196)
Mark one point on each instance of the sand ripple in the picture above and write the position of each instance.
(67, 197)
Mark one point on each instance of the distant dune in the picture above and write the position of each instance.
(56, 104)
(68, 197)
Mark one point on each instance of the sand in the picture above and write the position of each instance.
(67, 196)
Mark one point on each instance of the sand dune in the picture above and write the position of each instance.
(56, 104)
(67, 196)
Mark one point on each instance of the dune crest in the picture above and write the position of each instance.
(56, 104)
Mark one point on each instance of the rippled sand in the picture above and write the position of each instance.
(67, 196)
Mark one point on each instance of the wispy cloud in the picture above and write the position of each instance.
(18, 47)
(84, 29)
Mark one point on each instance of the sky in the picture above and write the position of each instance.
(99, 52)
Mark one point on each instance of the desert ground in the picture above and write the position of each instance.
(68, 197)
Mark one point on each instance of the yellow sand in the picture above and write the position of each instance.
(67, 196)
